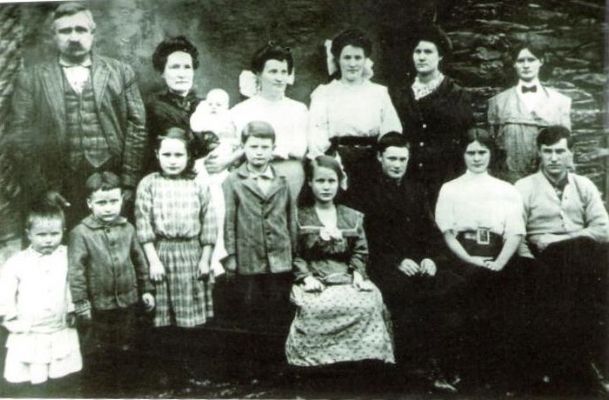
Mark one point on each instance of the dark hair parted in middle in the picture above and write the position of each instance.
(271, 51)
(538, 50)
(306, 198)
(553, 134)
(186, 138)
(392, 139)
(171, 45)
(483, 137)
(103, 180)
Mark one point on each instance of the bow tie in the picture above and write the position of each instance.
(529, 89)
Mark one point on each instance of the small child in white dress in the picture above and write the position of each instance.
(35, 304)
(212, 120)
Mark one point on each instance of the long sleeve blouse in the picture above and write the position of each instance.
(287, 117)
(338, 110)
(475, 201)
(321, 252)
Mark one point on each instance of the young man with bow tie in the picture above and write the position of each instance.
(517, 114)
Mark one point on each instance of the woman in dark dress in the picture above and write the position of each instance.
(435, 113)
(176, 60)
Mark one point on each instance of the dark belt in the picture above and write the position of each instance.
(354, 141)
(489, 246)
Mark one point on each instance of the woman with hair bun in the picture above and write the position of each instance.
(349, 114)
(435, 111)
(272, 70)
(175, 59)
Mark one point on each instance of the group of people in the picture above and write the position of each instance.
(372, 211)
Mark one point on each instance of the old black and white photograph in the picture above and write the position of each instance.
(304, 199)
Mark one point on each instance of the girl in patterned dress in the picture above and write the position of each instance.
(340, 313)
(177, 228)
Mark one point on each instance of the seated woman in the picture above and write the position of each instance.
(481, 219)
(340, 312)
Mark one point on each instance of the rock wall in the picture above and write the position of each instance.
(227, 32)
(11, 37)
(573, 31)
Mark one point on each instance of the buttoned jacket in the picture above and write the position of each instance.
(260, 229)
(37, 131)
(435, 126)
(106, 264)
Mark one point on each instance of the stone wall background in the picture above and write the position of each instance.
(573, 32)
(227, 32)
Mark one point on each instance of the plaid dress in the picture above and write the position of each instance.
(175, 214)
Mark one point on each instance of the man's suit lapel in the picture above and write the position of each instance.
(52, 82)
(99, 74)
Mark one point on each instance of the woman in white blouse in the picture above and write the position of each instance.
(273, 67)
(349, 114)
(481, 219)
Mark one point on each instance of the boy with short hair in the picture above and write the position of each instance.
(108, 275)
(260, 228)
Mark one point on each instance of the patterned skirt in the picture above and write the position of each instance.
(181, 299)
(339, 324)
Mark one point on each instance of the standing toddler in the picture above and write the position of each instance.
(34, 304)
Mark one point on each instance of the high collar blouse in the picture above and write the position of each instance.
(338, 109)
(475, 201)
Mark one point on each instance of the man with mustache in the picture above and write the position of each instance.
(74, 115)
(567, 232)
(406, 258)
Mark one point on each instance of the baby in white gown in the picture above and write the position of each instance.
(212, 121)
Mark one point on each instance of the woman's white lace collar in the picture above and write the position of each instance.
(421, 89)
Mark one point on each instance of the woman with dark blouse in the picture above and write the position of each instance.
(175, 59)
(435, 114)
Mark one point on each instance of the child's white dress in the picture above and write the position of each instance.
(214, 181)
(34, 301)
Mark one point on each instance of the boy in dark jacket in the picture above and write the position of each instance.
(108, 276)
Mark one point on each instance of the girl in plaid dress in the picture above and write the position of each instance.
(177, 228)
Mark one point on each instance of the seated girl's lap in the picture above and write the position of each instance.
(337, 298)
